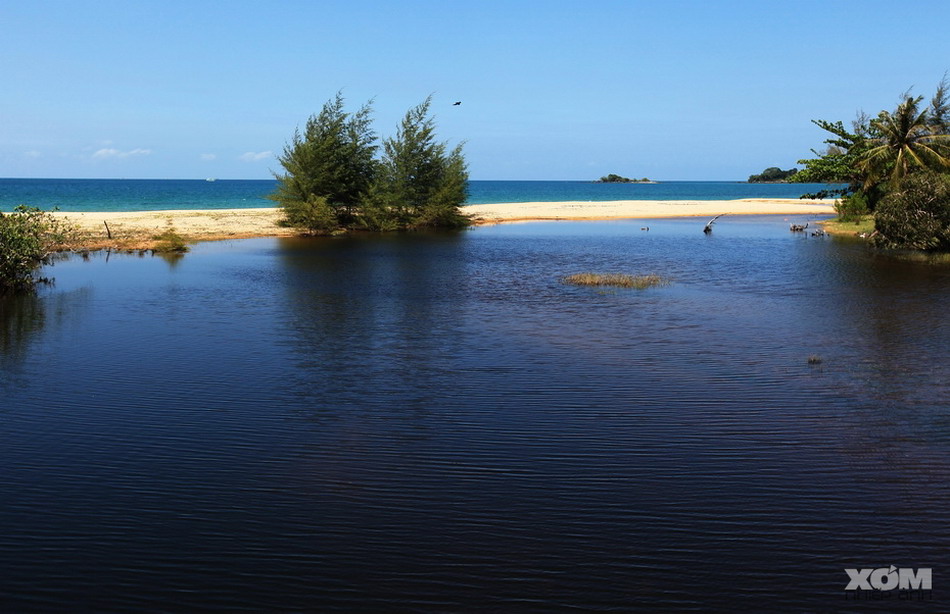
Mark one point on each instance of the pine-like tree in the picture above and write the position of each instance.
(328, 169)
(420, 182)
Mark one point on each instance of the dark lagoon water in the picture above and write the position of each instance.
(435, 423)
(178, 194)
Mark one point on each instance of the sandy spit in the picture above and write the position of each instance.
(621, 209)
(136, 229)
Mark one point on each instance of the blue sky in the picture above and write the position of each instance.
(550, 90)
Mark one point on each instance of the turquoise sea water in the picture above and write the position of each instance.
(165, 194)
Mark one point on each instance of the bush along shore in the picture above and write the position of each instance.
(334, 182)
(897, 170)
(28, 239)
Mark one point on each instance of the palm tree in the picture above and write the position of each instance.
(901, 142)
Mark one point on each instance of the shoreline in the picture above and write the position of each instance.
(640, 209)
(136, 229)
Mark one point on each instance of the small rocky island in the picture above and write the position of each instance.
(774, 174)
(612, 178)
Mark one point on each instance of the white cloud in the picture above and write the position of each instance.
(106, 153)
(32, 154)
(208, 156)
(254, 157)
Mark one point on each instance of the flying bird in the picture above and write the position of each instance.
(708, 228)
(456, 103)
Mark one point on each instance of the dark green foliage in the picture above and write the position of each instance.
(939, 115)
(896, 164)
(313, 214)
(28, 237)
(333, 182)
(328, 169)
(419, 183)
(852, 207)
(170, 242)
(903, 142)
(916, 216)
(614, 178)
(773, 173)
(879, 153)
(839, 162)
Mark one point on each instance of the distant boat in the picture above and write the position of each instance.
(211, 179)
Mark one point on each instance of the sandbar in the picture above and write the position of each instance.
(136, 229)
(637, 209)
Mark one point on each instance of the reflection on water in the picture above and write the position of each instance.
(19, 317)
(437, 423)
(23, 317)
(172, 258)
(381, 310)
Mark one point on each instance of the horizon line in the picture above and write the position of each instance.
(214, 179)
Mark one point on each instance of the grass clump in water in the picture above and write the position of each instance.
(617, 280)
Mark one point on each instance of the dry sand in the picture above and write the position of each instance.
(625, 209)
(136, 229)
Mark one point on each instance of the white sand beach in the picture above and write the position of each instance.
(625, 209)
(137, 228)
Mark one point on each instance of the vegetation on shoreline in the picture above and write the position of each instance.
(916, 215)
(612, 178)
(170, 242)
(618, 280)
(896, 167)
(773, 174)
(863, 225)
(333, 181)
(28, 239)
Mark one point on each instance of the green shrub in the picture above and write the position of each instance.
(333, 182)
(330, 161)
(852, 208)
(916, 215)
(314, 214)
(169, 242)
(28, 238)
(420, 182)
